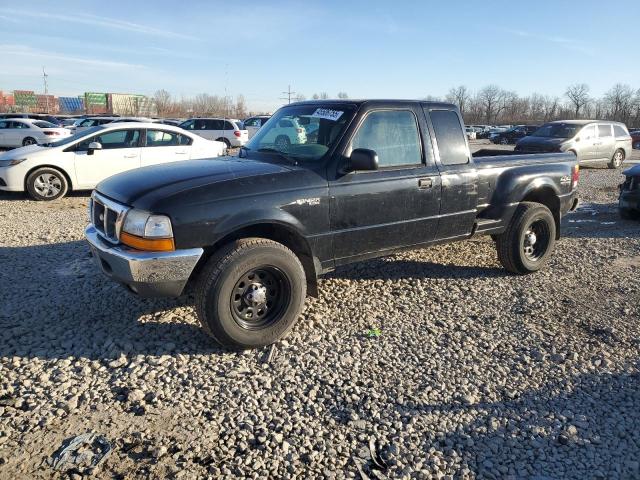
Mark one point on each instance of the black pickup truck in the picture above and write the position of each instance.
(341, 181)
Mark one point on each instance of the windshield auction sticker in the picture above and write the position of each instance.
(327, 114)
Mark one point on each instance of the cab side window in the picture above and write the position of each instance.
(449, 137)
(393, 135)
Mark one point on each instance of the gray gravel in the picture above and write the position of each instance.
(474, 373)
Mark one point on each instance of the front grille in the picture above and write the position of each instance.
(107, 216)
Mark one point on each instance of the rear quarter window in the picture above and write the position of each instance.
(449, 137)
(619, 131)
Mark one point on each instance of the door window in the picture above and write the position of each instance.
(450, 137)
(604, 130)
(18, 125)
(252, 122)
(393, 135)
(229, 126)
(113, 140)
(188, 125)
(588, 132)
(162, 138)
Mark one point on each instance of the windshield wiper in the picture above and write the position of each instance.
(280, 153)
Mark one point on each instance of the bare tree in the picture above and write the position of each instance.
(241, 107)
(316, 96)
(324, 95)
(578, 94)
(343, 95)
(162, 100)
(620, 102)
(460, 97)
(489, 98)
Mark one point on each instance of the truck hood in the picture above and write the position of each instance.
(176, 177)
(633, 171)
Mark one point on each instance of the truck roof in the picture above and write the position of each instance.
(381, 101)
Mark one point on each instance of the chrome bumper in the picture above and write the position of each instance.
(147, 274)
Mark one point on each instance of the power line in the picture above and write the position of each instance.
(288, 94)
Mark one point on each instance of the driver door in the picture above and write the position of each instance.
(120, 152)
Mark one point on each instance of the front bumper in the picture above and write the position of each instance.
(147, 274)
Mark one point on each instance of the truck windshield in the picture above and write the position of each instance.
(556, 130)
(302, 132)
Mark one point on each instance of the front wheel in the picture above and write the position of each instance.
(504, 141)
(528, 242)
(28, 141)
(250, 293)
(617, 159)
(46, 184)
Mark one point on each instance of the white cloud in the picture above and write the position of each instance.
(97, 21)
(567, 43)
(22, 51)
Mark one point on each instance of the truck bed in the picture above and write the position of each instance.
(487, 158)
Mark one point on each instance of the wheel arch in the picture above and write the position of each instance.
(548, 197)
(278, 232)
(53, 167)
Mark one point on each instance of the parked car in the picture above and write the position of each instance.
(253, 124)
(170, 121)
(251, 235)
(226, 130)
(80, 161)
(34, 116)
(635, 139)
(629, 199)
(592, 141)
(470, 132)
(513, 134)
(86, 123)
(18, 132)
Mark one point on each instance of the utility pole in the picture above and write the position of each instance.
(46, 88)
(288, 94)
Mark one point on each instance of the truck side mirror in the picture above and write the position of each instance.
(363, 159)
(93, 146)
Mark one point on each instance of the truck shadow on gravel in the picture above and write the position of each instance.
(580, 427)
(57, 304)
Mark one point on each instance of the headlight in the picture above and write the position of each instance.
(12, 162)
(144, 231)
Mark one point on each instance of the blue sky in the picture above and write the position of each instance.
(367, 49)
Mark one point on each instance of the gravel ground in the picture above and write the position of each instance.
(446, 365)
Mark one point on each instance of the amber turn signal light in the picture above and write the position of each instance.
(148, 244)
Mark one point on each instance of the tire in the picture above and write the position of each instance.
(617, 159)
(225, 141)
(46, 184)
(516, 251)
(229, 307)
(283, 143)
(504, 141)
(29, 141)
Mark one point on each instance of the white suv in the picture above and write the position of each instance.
(287, 132)
(226, 130)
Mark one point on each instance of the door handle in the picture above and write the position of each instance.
(425, 182)
(180, 153)
(131, 155)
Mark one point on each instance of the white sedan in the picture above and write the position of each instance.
(18, 132)
(79, 162)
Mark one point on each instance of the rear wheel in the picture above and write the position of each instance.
(250, 293)
(504, 141)
(617, 159)
(47, 184)
(225, 141)
(282, 143)
(528, 242)
(29, 141)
